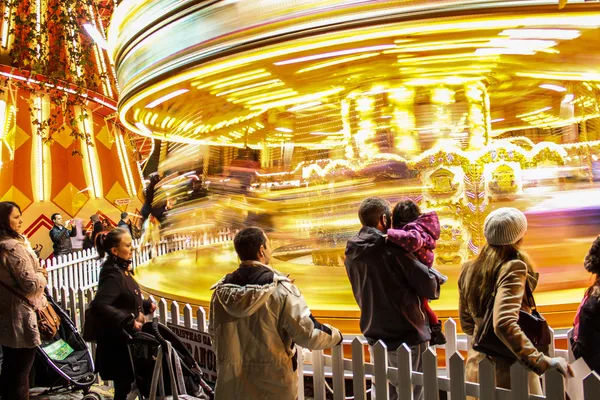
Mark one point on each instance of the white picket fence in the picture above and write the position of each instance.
(329, 371)
(80, 270)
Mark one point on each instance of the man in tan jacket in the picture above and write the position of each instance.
(256, 316)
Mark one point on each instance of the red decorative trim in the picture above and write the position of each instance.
(41, 222)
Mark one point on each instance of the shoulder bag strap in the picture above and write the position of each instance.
(529, 294)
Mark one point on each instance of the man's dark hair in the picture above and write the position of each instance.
(405, 212)
(371, 209)
(247, 243)
(124, 215)
(53, 217)
(6, 208)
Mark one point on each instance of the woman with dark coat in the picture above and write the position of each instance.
(118, 310)
(586, 337)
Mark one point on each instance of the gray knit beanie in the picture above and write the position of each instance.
(505, 226)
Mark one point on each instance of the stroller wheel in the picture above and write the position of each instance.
(93, 396)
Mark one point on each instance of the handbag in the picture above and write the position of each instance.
(48, 320)
(533, 325)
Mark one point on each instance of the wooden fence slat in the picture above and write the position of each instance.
(319, 374)
(64, 298)
(358, 370)
(153, 313)
(201, 319)
(430, 375)
(381, 367)
(591, 386)
(457, 376)
(162, 311)
(337, 368)
(82, 306)
(519, 382)
(405, 386)
(187, 316)
(555, 385)
(73, 307)
(300, 372)
(175, 313)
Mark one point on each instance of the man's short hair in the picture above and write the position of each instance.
(371, 209)
(124, 215)
(53, 217)
(247, 243)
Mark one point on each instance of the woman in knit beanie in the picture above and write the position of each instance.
(502, 270)
(587, 321)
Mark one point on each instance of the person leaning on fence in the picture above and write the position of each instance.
(118, 310)
(21, 272)
(586, 336)
(388, 286)
(502, 271)
(256, 315)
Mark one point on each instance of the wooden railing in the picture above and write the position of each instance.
(81, 269)
(329, 371)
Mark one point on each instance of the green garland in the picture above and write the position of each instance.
(59, 50)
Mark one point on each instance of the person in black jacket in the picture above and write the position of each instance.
(61, 235)
(125, 223)
(118, 310)
(387, 285)
(90, 236)
(586, 337)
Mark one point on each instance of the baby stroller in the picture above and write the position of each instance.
(161, 362)
(64, 363)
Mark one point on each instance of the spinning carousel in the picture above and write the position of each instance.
(287, 114)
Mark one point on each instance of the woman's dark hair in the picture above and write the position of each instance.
(6, 208)
(108, 239)
(247, 243)
(405, 212)
(592, 265)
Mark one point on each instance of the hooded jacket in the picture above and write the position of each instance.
(388, 284)
(418, 237)
(256, 315)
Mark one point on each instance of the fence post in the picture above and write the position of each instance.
(380, 361)
(300, 372)
(73, 307)
(337, 367)
(162, 311)
(456, 363)
(487, 380)
(187, 316)
(430, 375)
(555, 385)
(358, 370)
(82, 306)
(552, 347)
(174, 313)
(201, 318)
(405, 385)
(64, 298)
(591, 386)
(519, 382)
(571, 356)
(318, 374)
